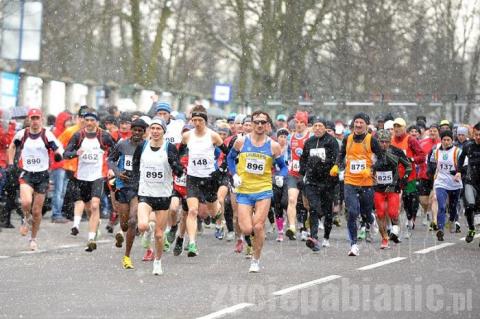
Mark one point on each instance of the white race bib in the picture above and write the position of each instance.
(128, 164)
(356, 166)
(153, 174)
(90, 157)
(384, 177)
(181, 181)
(255, 166)
(199, 162)
(296, 165)
(32, 162)
(318, 152)
(446, 167)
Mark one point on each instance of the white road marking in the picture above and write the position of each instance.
(4, 257)
(433, 248)
(30, 252)
(382, 263)
(226, 311)
(306, 285)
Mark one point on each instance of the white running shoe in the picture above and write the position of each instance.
(325, 243)
(230, 236)
(425, 220)
(374, 226)
(254, 266)
(157, 267)
(304, 235)
(33, 244)
(320, 225)
(354, 250)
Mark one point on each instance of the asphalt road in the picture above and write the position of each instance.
(419, 278)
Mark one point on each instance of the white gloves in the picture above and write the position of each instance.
(237, 181)
(279, 181)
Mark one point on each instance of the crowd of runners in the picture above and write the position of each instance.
(164, 177)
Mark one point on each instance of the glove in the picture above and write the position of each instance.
(279, 181)
(366, 173)
(237, 181)
(223, 167)
(334, 170)
(57, 157)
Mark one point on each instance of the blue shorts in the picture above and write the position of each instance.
(251, 199)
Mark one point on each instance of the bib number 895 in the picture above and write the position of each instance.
(154, 175)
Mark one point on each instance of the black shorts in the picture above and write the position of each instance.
(86, 190)
(182, 200)
(157, 203)
(425, 187)
(37, 180)
(202, 188)
(125, 195)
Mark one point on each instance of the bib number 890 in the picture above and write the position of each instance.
(33, 161)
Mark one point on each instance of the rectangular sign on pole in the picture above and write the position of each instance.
(222, 93)
(9, 89)
(26, 27)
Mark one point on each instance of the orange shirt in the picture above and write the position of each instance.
(359, 157)
(64, 138)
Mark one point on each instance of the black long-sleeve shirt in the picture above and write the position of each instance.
(318, 157)
(472, 171)
(387, 164)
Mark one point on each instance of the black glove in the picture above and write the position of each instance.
(57, 157)
(223, 167)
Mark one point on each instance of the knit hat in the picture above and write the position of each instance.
(462, 130)
(159, 121)
(282, 131)
(163, 106)
(383, 135)
(302, 117)
(139, 123)
(363, 116)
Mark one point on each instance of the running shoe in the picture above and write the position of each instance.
(146, 239)
(280, 237)
(239, 246)
(109, 228)
(166, 245)
(157, 267)
(374, 225)
(177, 250)
(304, 235)
(171, 235)
(354, 250)
(457, 227)
(254, 266)
(425, 220)
(408, 232)
(325, 243)
(440, 235)
(394, 234)
(320, 225)
(219, 233)
(230, 236)
(91, 245)
(192, 250)
(362, 233)
(433, 226)
(33, 244)
(368, 236)
(119, 240)
(248, 252)
(384, 244)
(336, 221)
(127, 263)
(74, 231)
(149, 256)
(313, 244)
(290, 233)
(470, 236)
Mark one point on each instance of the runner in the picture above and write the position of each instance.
(358, 149)
(90, 145)
(201, 142)
(295, 148)
(448, 180)
(280, 194)
(389, 185)
(120, 161)
(471, 171)
(34, 144)
(319, 154)
(252, 178)
(154, 163)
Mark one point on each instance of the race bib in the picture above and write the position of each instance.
(181, 181)
(153, 175)
(295, 165)
(32, 162)
(128, 164)
(90, 158)
(446, 167)
(199, 162)
(255, 166)
(384, 177)
(318, 152)
(356, 166)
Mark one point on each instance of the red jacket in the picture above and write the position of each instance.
(5, 140)
(427, 145)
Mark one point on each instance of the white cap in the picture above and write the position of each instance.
(146, 119)
(339, 129)
(388, 125)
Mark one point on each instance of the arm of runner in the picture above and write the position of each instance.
(72, 150)
(232, 156)
(418, 153)
(304, 158)
(332, 156)
(277, 154)
(136, 161)
(375, 146)
(461, 159)
(13, 146)
(174, 160)
(405, 162)
(113, 158)
(343, 152)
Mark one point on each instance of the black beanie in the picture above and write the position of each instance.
(363, 116)
(446, 133)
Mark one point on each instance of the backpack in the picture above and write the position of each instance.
(43, 136)
(83, 134)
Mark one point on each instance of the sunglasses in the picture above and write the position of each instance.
(260, 122)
